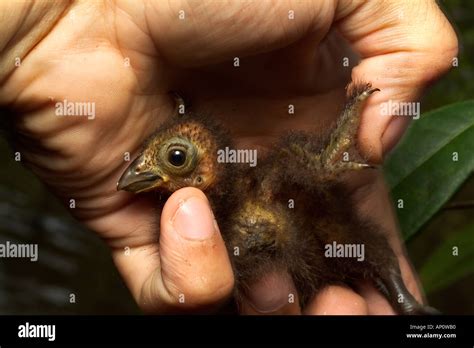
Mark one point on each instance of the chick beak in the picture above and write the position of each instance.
(138, 178)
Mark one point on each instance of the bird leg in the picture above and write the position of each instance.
(344, 135)
(393, 288)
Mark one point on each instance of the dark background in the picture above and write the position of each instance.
(74, 261)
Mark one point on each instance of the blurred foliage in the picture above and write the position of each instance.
(429, 246)
(430, 163)
(453, 260)
(458, 84)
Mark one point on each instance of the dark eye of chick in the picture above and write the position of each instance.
(177, 157)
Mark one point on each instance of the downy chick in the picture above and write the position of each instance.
(251, 203)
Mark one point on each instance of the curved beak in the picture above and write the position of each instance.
(137, 178)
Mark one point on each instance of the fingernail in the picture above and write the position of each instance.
(194, 219)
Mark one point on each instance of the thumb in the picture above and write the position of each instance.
(400, 57)
(195, 270)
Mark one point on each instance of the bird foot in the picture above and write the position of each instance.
(426, 310)
(394, 290)
(344, 136)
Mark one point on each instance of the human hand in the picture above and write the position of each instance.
(125, 56)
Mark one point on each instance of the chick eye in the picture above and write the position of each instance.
(177, 157)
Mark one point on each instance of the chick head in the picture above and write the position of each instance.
(181, 153)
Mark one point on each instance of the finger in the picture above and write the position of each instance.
(337, 300)
(411, 281)
(373, 200)
(221, 30)
(274, 294)
(399, 57)
(377, 304)
(191, 270)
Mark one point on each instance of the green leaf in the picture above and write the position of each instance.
(423, 172)
(442, 268)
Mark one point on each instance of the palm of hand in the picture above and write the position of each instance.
(110, 62)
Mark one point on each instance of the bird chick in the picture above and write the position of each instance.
(261, 232)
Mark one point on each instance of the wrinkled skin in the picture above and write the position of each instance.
(80, 52)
